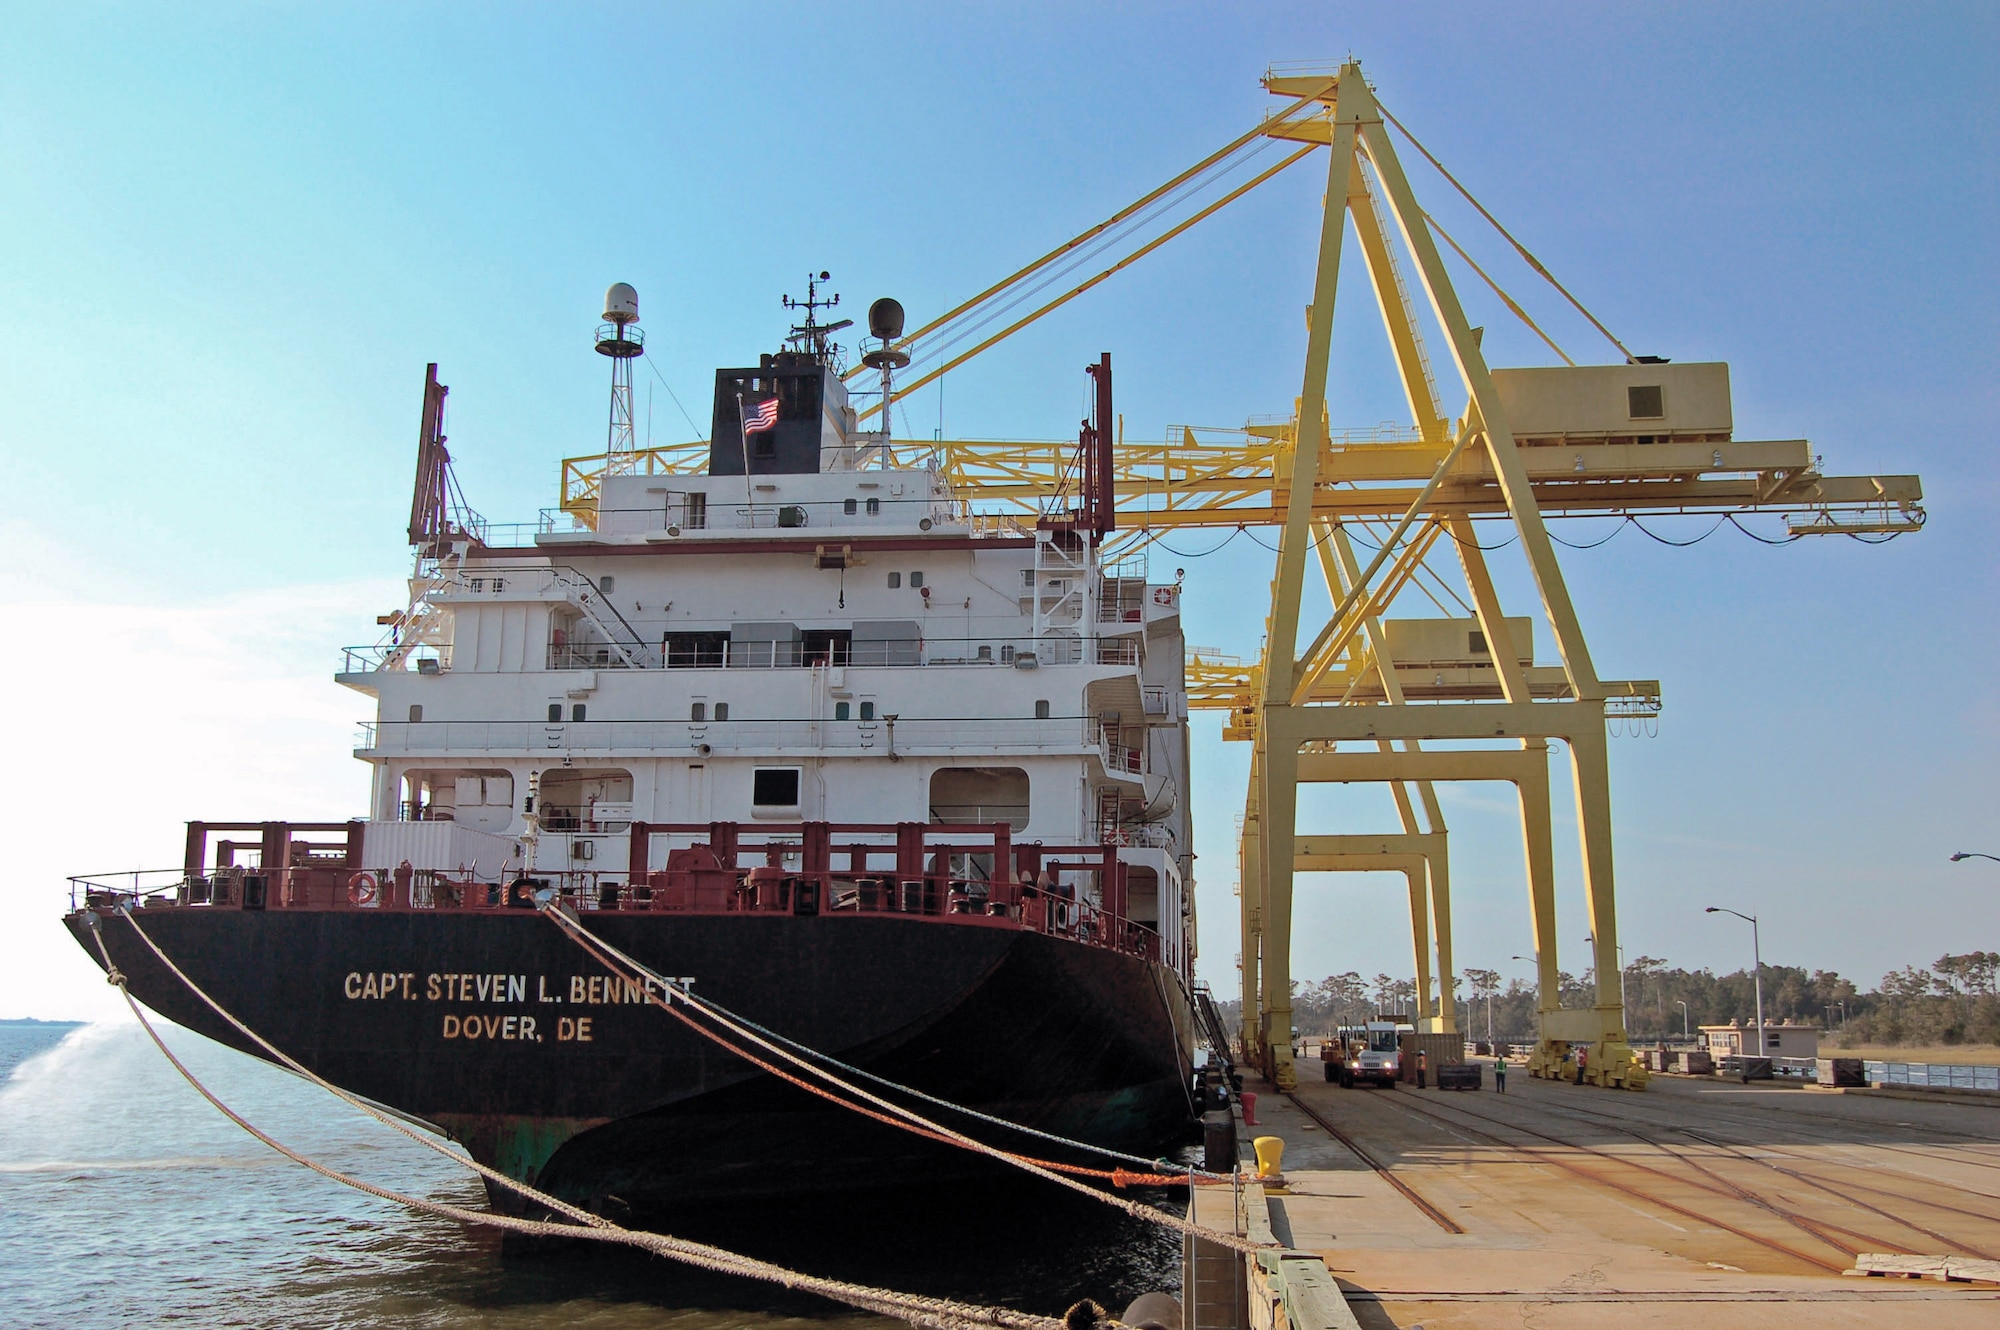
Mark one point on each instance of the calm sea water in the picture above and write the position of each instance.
(125, 1200)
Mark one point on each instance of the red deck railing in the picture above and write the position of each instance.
(950, 875)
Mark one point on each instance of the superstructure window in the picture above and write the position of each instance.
(978, 795)
(1041, 708)
(868, 711)
(697, 510)
(848, 507)
(874, 507)
(576, 712)
(696, 650)
(895, 580)
(840, 711)
(829, 646)
(555, 713)
(698, 712)
(722, 711)
(774, 787)
(416, 712)
(607, 584)
(916, 579)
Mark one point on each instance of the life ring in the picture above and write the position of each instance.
(1163, 595)
(362, 889)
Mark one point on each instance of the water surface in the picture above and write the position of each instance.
(126, 1201)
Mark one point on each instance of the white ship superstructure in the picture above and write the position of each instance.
(806, 633)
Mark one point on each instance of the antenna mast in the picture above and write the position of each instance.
(619, 338)
(811, 336)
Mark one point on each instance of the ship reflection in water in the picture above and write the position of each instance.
(127, 1201)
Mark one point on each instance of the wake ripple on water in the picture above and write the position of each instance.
(127, 1201)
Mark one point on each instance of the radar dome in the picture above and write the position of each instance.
(885, 319)
(621, 303)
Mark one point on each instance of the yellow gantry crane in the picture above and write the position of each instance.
(1367, 698)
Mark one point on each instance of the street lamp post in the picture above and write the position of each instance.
(1974, 854)
(1757, 954)
(1686, 1038)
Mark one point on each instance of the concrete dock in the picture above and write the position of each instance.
(1698, 1201)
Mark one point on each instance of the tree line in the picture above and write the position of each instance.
(1955, 1001)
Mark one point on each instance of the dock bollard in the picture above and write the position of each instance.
(1249, 1108)
(1218, 1137)
(1270, 1157)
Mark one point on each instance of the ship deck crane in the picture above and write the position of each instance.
(1364, 697)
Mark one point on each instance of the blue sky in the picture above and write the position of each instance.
(231, 238)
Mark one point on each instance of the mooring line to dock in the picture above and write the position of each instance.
(1167, 1170)
(940, 1313)
(1409, 1193)
(604, 953)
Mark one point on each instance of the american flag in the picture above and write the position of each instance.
(763, 416)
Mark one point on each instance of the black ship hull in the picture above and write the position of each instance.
(499, 1029)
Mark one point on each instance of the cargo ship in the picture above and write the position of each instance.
(797, 730)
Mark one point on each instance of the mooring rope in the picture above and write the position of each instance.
(605, 953)
(942, 1313)
(1161, 1167)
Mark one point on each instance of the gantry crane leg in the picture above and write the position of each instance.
(1250, 898)
(1278, 770)
(1278, 790)
(1611, 1062)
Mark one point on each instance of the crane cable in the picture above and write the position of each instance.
(1494, 222)
(942, 1313)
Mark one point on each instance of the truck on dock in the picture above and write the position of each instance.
(1372, 1052)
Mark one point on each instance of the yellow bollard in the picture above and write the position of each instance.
(1270, 1156)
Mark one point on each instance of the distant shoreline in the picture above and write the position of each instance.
(30, 1020)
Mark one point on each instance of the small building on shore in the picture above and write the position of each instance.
(1781, 1040)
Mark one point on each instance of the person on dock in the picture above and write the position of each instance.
(1423, 1066)
(1581, 1055)
(1500, 1074)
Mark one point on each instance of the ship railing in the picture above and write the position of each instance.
(860, 732)
(1117, 651)
(425, 659)
(129, 887)
(945, 899)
